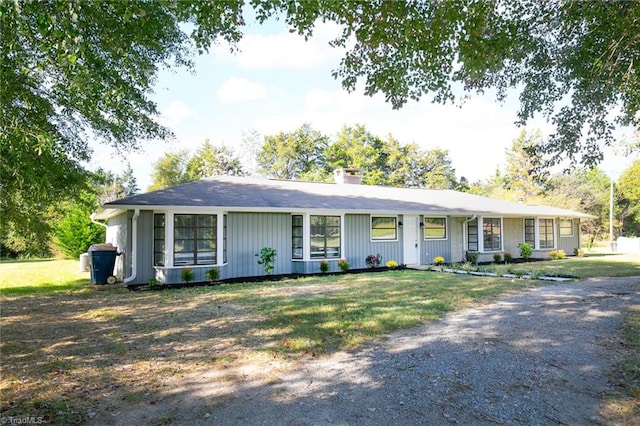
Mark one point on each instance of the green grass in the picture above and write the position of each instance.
(41, 276)
(93, 334)
(592, 265)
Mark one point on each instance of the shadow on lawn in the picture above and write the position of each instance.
(524, 360)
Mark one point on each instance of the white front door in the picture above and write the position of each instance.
(411, 241)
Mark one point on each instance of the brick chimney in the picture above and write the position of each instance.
(346, 176)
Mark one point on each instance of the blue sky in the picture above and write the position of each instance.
(277, 81)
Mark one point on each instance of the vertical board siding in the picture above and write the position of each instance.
(247, 233)
(144, 256)
(435, 248)
(456, 239)
(358, 244)
(569, 244)
(513, 235)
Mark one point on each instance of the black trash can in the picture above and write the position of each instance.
(102, 261)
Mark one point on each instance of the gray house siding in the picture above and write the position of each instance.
(144, 256)
(570, 244)
(435, 248)
(513, 235)
(247, 233)
(358, 244)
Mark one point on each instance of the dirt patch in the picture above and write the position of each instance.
(537, 357)
(534, 357)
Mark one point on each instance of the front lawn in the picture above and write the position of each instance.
(70, 349)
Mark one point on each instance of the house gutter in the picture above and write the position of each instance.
(94, 220)
(134, 247)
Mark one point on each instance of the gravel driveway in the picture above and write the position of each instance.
(537, 357)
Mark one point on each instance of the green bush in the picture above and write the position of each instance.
(508, 257)
(526, 250)
(267, 258)
(471, 256)
(343, 265)
(187, 275)
(213, 274)
(497, 258)
(324, 266)
(75, 232)
(557, 254)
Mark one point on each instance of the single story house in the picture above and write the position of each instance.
(224, 221)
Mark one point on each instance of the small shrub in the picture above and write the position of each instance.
(213, 274)
(526, 250)
(392, 264)
(373, 260)
(324, 266)
(508, 258)
(578, 252)
(343, 265)
(153, 282)
(497, 258)
(187, 275)
(535, 274)
(467, 266)
(266, 258)
(438, 260)
(471, 256)
(557, 254)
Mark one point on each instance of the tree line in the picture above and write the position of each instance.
(308, 155)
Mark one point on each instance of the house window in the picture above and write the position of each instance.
(546, 233)
(158, 239)
(492, 234)
(325, 236)
(224, 238)
(297, 237)
(194, 241)
(472, 235)
(384, 228)
(566, 228)
(435, 228)
(530, 232)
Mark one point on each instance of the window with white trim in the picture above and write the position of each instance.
(325, 239)
(158, 239)
(530, 232)
(297, 236)
(194, 239)
(566, 227)
(492, 234)
(472, 235)
(435, 228)
(384, 228)
(545, 230)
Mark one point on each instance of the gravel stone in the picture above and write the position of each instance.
(538, 357)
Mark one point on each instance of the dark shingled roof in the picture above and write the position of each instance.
(250, 194)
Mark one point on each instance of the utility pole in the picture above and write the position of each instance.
(611, 215)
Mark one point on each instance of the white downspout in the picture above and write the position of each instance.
(134, 247)
(91, 217)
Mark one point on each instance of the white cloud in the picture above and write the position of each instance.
(176, 113)
(237, 89)
(284, 50)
